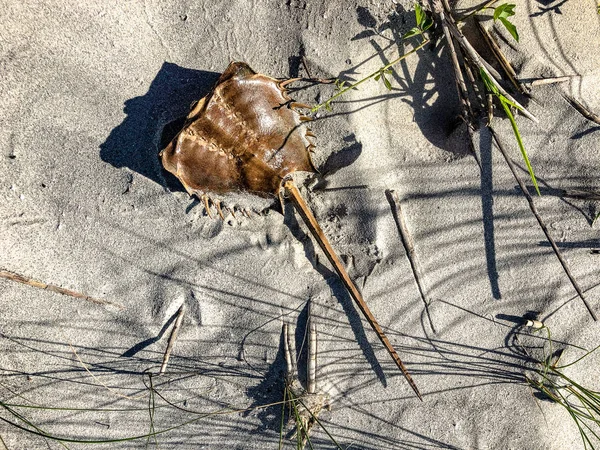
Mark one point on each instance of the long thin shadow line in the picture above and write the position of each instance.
(487, 210)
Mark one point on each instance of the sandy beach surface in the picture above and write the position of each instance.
(87, 90)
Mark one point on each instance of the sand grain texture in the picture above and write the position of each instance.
(86, 90)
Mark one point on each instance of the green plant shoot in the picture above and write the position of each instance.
(502, 13)
(582, 403)
(424, 22)
(506, 104)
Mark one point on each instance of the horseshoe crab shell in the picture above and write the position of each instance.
(244, 136)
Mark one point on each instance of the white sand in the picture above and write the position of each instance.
(85, 206)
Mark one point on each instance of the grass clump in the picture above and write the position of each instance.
(582, 403)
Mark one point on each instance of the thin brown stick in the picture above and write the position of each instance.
(318, 234)
(305, 65)
(589, 115)
(172, 338)
(564, 264)
(407, 242)
(311, 370)
(458, 76)
(501, 58)
(473, 82)
(12, 276)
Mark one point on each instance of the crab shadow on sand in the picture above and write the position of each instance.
(135, 143)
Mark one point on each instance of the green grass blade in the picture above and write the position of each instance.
(515, 128)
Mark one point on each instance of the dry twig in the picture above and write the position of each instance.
(589, 115)
(501, 58)
(406, 239)
(489, 70)
(564, 264)
(12, 276)
(172, 338)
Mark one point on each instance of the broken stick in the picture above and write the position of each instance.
(172, 338)
(12, 276)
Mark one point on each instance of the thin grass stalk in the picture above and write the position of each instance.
(282, 424)
(368, 77)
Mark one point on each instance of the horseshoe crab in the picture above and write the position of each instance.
(247, 136)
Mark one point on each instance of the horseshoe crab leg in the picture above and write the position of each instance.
(318, 234)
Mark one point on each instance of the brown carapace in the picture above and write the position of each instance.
(247, 136)
(244, 136)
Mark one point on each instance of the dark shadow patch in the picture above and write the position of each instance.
(365, 18)
(270, 392)
(135, 143)
(343, 157)
(487, 210)
(142, 345)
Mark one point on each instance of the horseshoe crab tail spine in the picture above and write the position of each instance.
(318, 234)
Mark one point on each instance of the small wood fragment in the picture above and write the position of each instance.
(172, 338)
(12, 276)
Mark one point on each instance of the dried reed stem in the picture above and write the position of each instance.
(311, 370)
(407, 242)
(460, 81)
(172, 338)
(589, 115)
(489, 71)
(12, 276)
(564, 264)
(553, 80)
(289, 362)
(501, 58)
